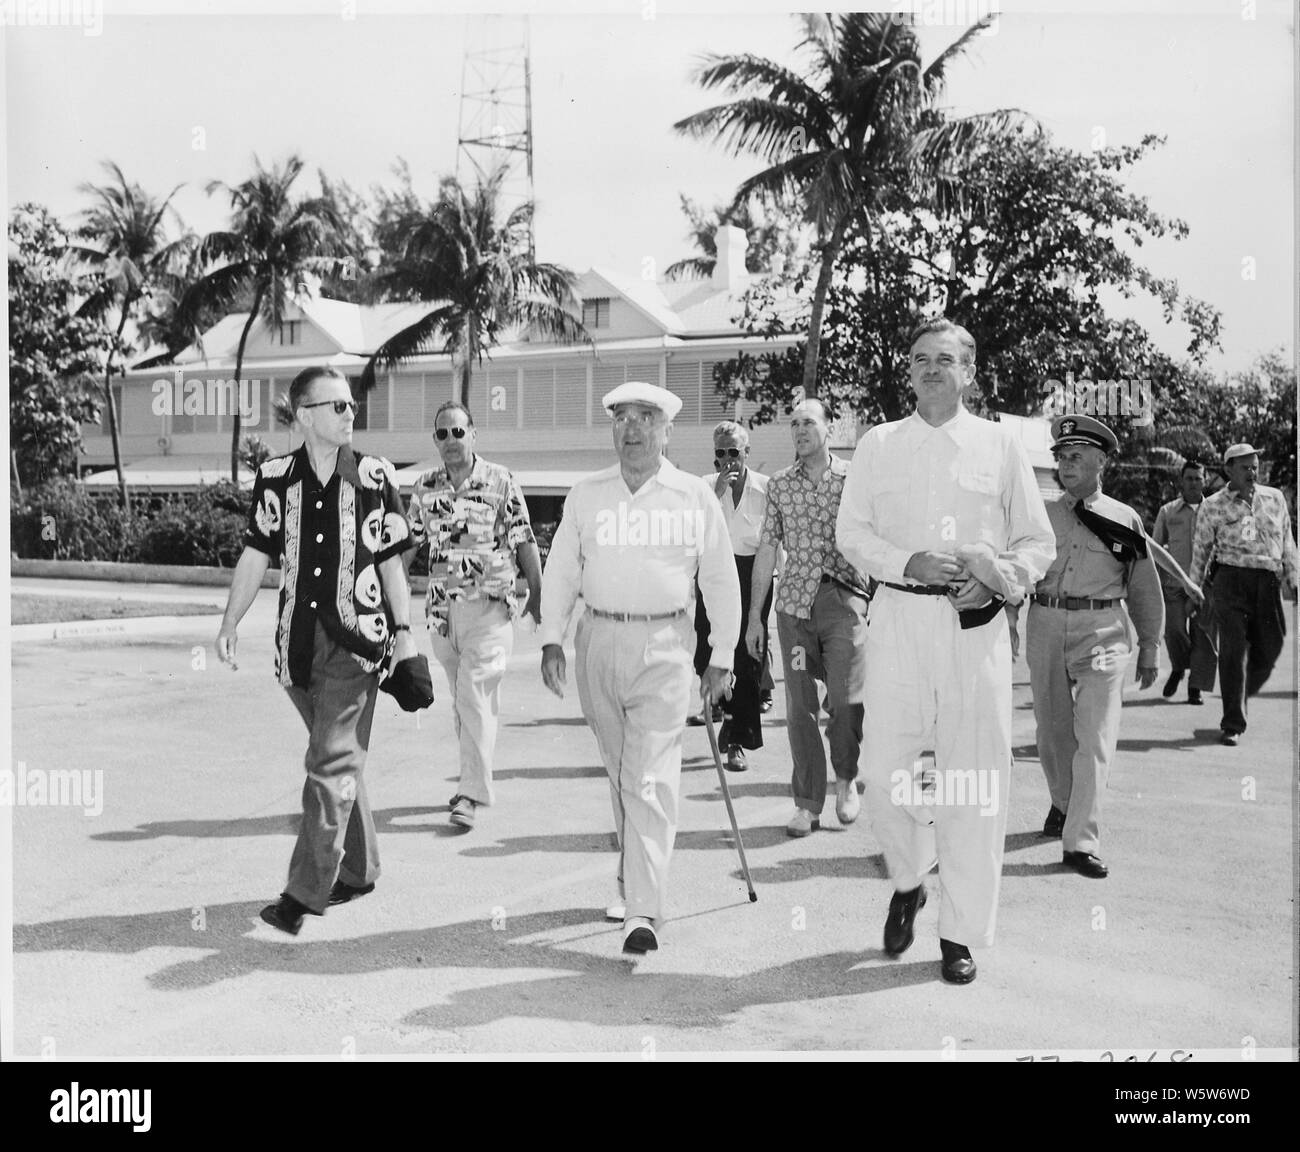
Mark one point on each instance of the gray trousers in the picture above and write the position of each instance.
(337, 838)
(829, 646)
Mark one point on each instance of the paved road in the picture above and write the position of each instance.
(136, 930)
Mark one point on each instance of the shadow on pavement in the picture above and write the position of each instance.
(549, 722)
(633, 995)
(838, 867)
(599, 989)
(605, 842)
(281, 824)
(1199, 736)
(757, 789)
(552, 772)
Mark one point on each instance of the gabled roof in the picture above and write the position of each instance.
(643, 295)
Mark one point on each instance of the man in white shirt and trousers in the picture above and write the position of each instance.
(632, 541)
(943, 509)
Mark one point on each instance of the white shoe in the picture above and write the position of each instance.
(616, 911)
(639, 935)
(802, 823)
(847, 801)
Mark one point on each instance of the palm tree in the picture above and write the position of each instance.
(459, 253)
(272, 244)
(859, 134)
(125, 239)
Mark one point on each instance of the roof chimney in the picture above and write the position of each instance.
(729, 272)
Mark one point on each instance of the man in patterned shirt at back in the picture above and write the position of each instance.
(821, 619)
(1244, 544)
(472, 515)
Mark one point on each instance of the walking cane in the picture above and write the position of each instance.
(726, 795)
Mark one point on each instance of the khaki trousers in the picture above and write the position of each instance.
(474, 654)
(634, 680)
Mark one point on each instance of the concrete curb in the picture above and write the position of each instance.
(133, 626)
(148, 573)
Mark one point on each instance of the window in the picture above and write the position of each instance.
(595, 313)
(289, 331)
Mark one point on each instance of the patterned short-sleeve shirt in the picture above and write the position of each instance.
(472, 532)
(800, 517)
(1243, 533)
(330, 539)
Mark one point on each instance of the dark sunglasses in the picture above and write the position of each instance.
(340, 406)
(723, 453)
(443, 433)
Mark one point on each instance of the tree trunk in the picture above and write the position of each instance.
(467, 365)
(829, 254)
(239, 368)
(112, 413)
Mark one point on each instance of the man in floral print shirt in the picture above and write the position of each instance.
(334, 520)
(472, 515)
(821, 619)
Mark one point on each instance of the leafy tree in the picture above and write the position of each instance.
(274, 245)
(54, 354)
(1026, 260)
(464, 254)
(855, 136)
(124, 235)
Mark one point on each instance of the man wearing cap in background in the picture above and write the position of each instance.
(742, 494)
(943, 509)
(474, 518)
(1080, 641)
(1190, 644)
(821, 620)
(633, 540)
(334, 519)
(1245, 549)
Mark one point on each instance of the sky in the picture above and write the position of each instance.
(187, 93)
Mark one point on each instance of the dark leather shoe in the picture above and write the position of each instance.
(1086, 864)
(1231, 739)
(341, 893)
(958, 967)
(1054, 825)
(1194, 696)
(285, 914)
(903, 907)
(1171, 685)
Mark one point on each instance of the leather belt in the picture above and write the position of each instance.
(920, 589)
(827, 578)
(1072, 603)
(636, 617)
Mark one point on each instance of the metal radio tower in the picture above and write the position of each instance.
(496, 108)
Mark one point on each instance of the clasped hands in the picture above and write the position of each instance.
(964, 589)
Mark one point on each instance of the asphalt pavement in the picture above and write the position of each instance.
(136, 931)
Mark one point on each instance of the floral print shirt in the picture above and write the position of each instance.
(472, 532)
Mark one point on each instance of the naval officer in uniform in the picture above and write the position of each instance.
(633, 542)
(1080, 640)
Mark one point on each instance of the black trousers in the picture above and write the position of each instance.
(1252, 630)
(742, 724)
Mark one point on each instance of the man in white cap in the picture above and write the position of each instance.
(1080, 641)
(632, 542)
(943, 509)
(1245, 550)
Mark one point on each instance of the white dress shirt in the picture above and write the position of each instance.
(639, 552)
(744, 520)
(916, 488)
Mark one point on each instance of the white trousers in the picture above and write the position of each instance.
(474, 654)
(634, 680)
(932, 685)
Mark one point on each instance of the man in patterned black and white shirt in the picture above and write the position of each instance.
(335, 521)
